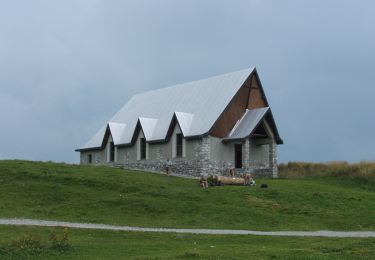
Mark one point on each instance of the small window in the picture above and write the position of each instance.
(178, 145)
(90, 158)
(111, 152)
(143, 148)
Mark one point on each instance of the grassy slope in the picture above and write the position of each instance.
(115, 196)
(90, 244)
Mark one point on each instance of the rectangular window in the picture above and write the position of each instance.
(143, 148)
(90, 158)
(178, 145)
(238, 155)
(111, 152)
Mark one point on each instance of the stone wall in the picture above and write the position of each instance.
(216, 165)
(200, 159)
(192, 165)
(99, 157)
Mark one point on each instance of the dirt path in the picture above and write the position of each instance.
(46, 223)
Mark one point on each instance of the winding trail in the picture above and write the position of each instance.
(323, 233)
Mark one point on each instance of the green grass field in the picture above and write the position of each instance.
(65, 192)
(90, 244)
(114, 196)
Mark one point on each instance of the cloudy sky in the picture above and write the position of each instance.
(68, 66)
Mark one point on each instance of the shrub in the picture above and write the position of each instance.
(27, 242)
(33, 243)
(363, 171)
(61, 244)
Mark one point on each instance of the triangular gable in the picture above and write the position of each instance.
(185, 121)
(117, 131)
(148, 126)
(257, 97)
(249, 97)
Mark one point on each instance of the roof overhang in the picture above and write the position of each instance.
(247, 124)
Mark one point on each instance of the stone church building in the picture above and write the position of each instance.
(204, 127)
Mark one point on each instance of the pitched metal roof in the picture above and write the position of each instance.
(247, 124)
(117, 131)
(196, 105)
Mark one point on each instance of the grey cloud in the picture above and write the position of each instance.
(67, 66)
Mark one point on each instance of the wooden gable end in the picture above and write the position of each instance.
(249, 96)
(256, 97)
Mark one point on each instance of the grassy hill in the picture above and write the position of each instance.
(305, 201)
(54, 191)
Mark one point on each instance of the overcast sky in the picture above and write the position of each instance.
(67, 66)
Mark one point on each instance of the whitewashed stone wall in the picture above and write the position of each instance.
(199, 160)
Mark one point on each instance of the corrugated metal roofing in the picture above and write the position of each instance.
(185, 120)
(246, 125)
(196, 104)
(117, 131)
(148, 126)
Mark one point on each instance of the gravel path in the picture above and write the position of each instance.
(46, 223)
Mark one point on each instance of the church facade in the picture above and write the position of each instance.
(204, 127)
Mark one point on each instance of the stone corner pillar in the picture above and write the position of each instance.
(273, 160)
(246, 155)
(204, 155)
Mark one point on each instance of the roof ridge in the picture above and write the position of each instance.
(192, 81)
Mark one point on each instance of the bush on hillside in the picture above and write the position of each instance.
(363, 171)
(30, 244)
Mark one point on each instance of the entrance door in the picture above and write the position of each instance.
(238, 155)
